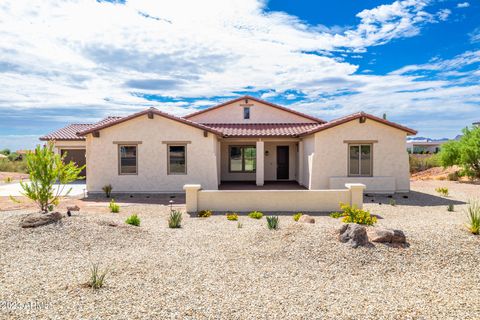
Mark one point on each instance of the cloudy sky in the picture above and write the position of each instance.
(79, 60)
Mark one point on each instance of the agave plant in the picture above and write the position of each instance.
(272, 222)
(175, 219)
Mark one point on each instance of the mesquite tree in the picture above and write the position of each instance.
(47, 168)
(464, 152)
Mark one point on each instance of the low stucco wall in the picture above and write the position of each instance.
(272, 200)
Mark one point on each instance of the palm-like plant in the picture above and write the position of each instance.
(473, 213)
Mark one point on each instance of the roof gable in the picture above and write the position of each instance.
(229, 112)
(355, 116)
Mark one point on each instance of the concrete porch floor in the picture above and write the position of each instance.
(268, 185)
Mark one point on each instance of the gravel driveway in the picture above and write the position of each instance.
(210, 269)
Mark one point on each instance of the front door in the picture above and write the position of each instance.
(282, 162)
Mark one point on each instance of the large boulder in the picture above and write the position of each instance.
(40, 219)
(305, 218)
(353, 234)
(385, 235)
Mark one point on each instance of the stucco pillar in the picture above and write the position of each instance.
(260, 169)
(191, 196)
(301, 151)
(356, 194)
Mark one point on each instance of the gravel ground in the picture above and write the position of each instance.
(210, 269)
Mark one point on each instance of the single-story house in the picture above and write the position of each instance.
(245, 139)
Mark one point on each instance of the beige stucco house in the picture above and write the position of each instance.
(242, 140)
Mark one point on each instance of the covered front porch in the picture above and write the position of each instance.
(260, 163)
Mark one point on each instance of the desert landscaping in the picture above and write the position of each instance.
(211, 268)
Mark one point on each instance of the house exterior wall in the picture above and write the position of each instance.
(270, 161)
(102, 156)
(390, 158)
(259, 113)
(308, 157)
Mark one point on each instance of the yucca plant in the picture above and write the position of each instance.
(175, 219)
(450, 207)
(108, 190)
(97, 278)
(272, 222)
(239, 225)
(115, 208)
(473, 213)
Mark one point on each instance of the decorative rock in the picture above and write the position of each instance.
(73, 208)
(387, 235)
(353, 234)
(305, 218)
(40, 219)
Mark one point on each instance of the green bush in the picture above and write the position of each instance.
(97, 278)
(205, 213)
(115, 208)
(336, 215)
(297, 216)
(450, 207)
(442, 191)
(133, 220)
(47, 168)
(107, 189)
(355, 215)
(473, 213)
(272, 222)
(175, 219)
(255, 215)
(392, 202)
(7, 165)
(421, 163)
(453, 176)
(232, 216)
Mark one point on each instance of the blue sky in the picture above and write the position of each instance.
(81, 60)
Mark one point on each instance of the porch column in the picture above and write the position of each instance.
(260, 166)
(301, 151)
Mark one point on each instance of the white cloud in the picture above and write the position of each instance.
(463, 5)
(475, 35)
(89, 54)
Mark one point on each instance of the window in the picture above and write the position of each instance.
(246, 113)
(243, 158)
(177, 159)
(127, 159)
(360, 160)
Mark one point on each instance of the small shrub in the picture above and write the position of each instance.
(450, 207)
(297, 216)
(442, 191)
(355, 215)
(133, 220)
(473, 213)
(392, 202)
(115, 208)
(272, 222)
(232, 216)
(453, 176)
(336, 215)
(108, 190)
(175, 219)
(8, 180)
(255, 215)
(205, 213)
(239, 225)
(97, 278)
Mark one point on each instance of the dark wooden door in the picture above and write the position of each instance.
(282, 162)
(77, 156)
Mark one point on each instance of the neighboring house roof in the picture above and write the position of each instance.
(70, 132)
(100, 126)
(355, 116)
(262, 129)
(477, 123)
(260, 101)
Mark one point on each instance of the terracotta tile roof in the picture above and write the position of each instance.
(258, 100)
(154, 111)
(262, 129)
(70, 132)
(354, 116)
